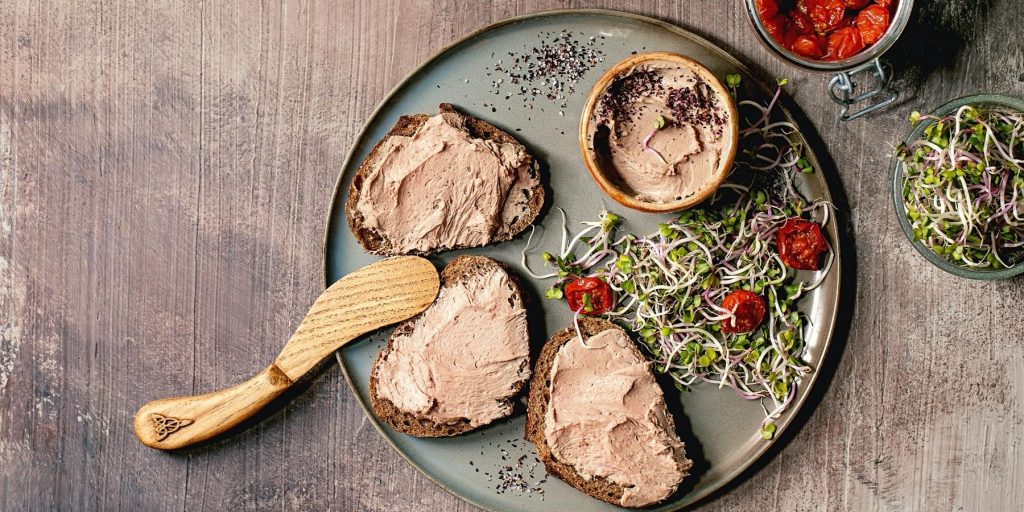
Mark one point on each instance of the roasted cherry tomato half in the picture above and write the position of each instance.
(800, 23)
(872, 23)
(810, 45)
(843, 43)
(748, 309)
(825, 14)
(589, 296)
(766, 8)
(801, 244)
(776, 27)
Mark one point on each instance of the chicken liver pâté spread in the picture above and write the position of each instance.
(661, 131)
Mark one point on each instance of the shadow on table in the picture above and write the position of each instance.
(937, 32)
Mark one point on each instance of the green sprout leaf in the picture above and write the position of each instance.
(588, 302)
(628, 287)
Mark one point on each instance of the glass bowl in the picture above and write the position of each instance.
(994, 100)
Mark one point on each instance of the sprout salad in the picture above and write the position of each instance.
(670, 284)
(963, 186)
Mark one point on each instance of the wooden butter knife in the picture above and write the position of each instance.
(376, 295)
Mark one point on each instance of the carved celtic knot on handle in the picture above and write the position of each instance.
(166, 425)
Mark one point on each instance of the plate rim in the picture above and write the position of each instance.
(737, 471)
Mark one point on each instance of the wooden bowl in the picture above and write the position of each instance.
(606, 177)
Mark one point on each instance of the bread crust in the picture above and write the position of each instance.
(537, 407)
(376, 243)
(459, 269)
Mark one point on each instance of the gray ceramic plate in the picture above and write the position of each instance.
(991, 100)
(721, 429)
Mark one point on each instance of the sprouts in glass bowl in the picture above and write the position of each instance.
(961, 187)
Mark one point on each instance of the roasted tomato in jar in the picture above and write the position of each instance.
(825, 29)
(843, 43)
(825, 14)
(872, 23)
(801, 244)
(748, 310)
(776, 27)
(800, 23)
(809, 45)
(766, 8)
(589, 296)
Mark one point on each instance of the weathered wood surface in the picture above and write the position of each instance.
(382, 293)
(165, 172)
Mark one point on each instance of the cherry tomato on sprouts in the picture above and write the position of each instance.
(589, 296)
(801, 244)
(872, 23)
(748, 309)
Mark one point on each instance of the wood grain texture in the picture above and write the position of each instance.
(381, 293)
(165, 170)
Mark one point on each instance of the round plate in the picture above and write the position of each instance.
(720, 429)
(992, 100)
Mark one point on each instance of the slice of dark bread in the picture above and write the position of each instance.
(537, 407)
(459, 269)
(521, 209)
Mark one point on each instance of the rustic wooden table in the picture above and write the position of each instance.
(166, 172)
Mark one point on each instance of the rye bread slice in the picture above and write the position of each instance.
(537, 407)
(526, 204)
(459, 269)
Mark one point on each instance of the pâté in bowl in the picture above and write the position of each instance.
(659, 132)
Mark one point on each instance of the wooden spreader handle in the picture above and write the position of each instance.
(379, 294)
(178, 422)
